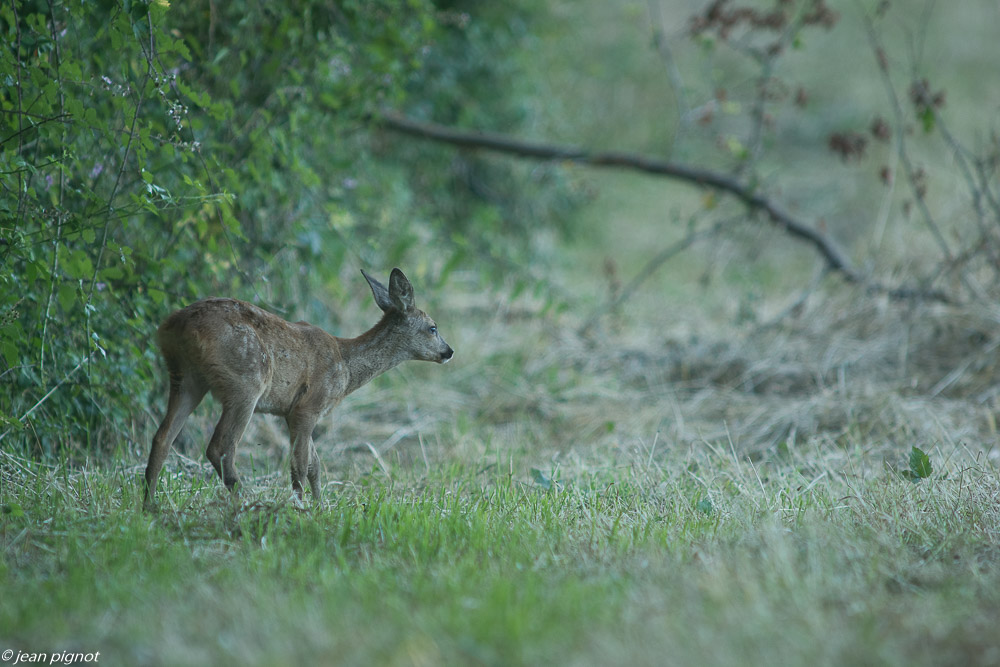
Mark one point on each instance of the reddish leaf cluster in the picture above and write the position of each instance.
(880, 129)
(924, 98)
(722, 17)
(821, 15)
(848, 145)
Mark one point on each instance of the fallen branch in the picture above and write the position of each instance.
(832, 255)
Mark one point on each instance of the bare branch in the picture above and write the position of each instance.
(832, 255)
(650, 165)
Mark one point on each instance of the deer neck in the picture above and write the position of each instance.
(372, 353)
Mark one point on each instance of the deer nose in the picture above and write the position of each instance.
(447, 355)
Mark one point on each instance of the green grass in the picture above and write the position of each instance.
(645, 557)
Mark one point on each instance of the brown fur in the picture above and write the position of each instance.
(253, 361)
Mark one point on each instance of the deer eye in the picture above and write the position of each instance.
(432, 329)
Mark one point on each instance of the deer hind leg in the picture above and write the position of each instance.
(185, 395)
(228, 433)
(304, 461)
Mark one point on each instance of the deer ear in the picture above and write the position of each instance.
(380, 293)
(400, 291)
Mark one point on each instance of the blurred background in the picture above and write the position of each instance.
(156, 153)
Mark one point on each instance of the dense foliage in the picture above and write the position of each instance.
(156, 153)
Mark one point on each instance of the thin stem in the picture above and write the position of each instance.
(651, 266)
(904, 157)
(20, 109)
(673, 72)
(61, 189)
(49, 393)
(124, 163)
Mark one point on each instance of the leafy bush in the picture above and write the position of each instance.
(155, 153)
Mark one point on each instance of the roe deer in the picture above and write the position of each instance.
(253, 361)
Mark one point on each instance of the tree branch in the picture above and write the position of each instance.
(832, 255)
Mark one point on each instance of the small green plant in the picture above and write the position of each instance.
(920, 466)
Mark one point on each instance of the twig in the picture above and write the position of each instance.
(52, 286)
(904, 157)
(797, 303)
(50, 392)
(20, 109)
(757, 115)
(651, 267)
(673, 72)
(64, 117)
(124, 163)
(118, 178)
(16, 368)
(985, 182)
(960, 370)
(18, 462)
(882, 218)
(57, 61)
(978, 191)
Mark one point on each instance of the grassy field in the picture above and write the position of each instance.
(647, 553)
(707, 477)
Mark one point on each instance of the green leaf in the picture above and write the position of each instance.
(920, 463)
(111, 273)
(927, 118)
(9, 351)
(77, 265)
(67, 296)
(705, 506)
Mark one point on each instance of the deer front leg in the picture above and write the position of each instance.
(304, 460)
